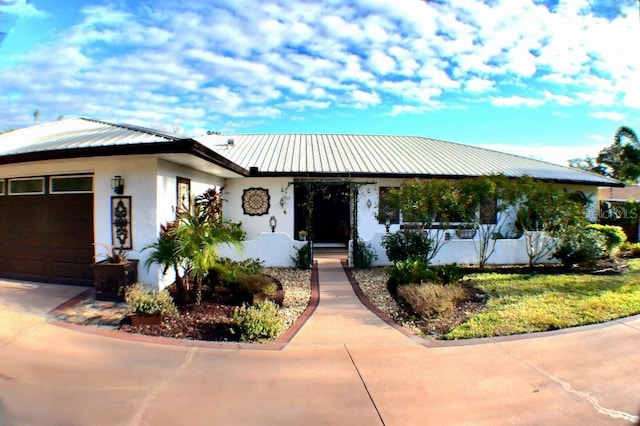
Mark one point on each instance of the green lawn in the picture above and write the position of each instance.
(528, 303)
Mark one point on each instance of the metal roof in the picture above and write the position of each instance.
(366, 155)
(82, 137)
(74, 133)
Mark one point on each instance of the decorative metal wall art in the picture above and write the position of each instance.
(183, 194)
(256, 201)
(121, 236)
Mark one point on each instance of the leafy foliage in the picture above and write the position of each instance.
(448, 274)
(408, 271)
(150, 302)
(258, 322)
(304, 257)
(618, 160)
(363, 255)
(191, 241)
(407, 244)
(614, 237)
(580, 246)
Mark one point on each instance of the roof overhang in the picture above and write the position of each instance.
(183, 151)
(360, 175)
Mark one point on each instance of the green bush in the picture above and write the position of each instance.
(303, 257)
(614, 236)
(406, 244)
(431, 300)
(581, 247)
(258, 322)
(408, 272)
(448, 274)
(363, 255)
(632, 249)
(150, 302)
(256, 284)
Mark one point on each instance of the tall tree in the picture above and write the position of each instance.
(620, 160)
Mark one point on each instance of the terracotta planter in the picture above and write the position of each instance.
(111, 279)
(146, 319)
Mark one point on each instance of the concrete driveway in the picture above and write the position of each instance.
(344, 367)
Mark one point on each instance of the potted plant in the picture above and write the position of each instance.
(148, 306)
(302, 235)
(114, 273)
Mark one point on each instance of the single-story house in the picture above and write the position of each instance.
(71, 187)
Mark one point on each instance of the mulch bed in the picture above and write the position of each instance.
(211, 320)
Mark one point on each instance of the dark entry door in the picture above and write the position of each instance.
(47, 238)
(330, 215)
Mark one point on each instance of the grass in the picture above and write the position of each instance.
(529, 303)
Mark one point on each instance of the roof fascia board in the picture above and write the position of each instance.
(179, 146)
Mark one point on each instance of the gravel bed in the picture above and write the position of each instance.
(296, 285)
(373, 283)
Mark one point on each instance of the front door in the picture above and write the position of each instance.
(330, 218)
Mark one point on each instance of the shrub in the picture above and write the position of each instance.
(256, 284)
(141, 300)
(258, 322)
(406, 244)
(614, 236)
(431, 300)
(363, 255)
(407, 272)
(631, 249)
(448, 274)
(582, 247)
(303, 257)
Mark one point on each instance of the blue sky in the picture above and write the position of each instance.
(546, 79)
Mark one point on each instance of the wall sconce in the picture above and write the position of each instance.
(369, 204)
(272, 223)
(387, 224)
(282, 203)
(117, 184)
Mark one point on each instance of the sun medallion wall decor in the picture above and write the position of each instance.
(256, 201)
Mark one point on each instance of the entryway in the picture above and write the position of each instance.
(330, 212)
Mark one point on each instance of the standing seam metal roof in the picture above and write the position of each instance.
(335, 154)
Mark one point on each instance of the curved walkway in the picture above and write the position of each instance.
(345, 366)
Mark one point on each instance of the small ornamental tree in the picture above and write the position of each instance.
(543, 212)
(428, 206)
(481, 200)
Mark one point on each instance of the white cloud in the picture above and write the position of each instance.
(516, 101)
(610, 115)
(235, 58)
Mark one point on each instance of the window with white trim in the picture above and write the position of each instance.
(70, 184)
(26, 186)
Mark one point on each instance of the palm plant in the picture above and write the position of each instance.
(165, 253)
(197, 237)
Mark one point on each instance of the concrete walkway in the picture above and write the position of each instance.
(344, 367)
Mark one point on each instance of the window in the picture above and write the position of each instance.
(66, 184)
(2, 187)
(26, 186)
(489, 211)
(389, 212)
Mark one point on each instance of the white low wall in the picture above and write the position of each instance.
(464, 252)
(276, 249)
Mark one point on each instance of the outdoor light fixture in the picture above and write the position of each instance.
(387, 224)
(369, 204)
(272, 223)
(117, 184)
(282, 202)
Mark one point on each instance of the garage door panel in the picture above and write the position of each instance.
(47, 238)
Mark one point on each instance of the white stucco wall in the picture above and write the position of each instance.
(278, 188)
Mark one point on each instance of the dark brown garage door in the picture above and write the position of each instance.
(47, 238)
